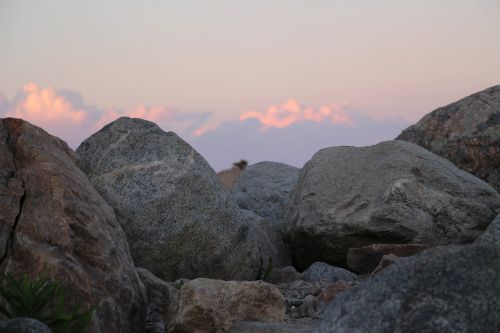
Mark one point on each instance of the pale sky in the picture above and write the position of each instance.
(389, 59)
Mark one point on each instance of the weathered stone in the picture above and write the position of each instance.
(268, 240)
(162, 297)
(392, 192)
(214, 306)
(445, 289)
(179, 220)
(284, 275)
(387, 260)
(54, 224)
(322, 271)
(264, 189)
(365, 259)
(23, 325)
(466, 132)
(491, 234)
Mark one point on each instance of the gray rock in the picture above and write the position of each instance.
(491, 234)
(322, 271)
(23, 325)
(162, 297)
(264, 189)
(54, 224)
(268, 239)
(179, 220)
(448, 289)
(466, 132)
(392, 192)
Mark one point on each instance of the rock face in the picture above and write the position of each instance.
(162, 301)
(445, 289)
(466, 132)
(23, 325)
(264, 189)
(214, 306)
(365, 259)
(54, 224)
(321, 271)
(491, 234)
(392, 192)
(268, 240)
(179, 220)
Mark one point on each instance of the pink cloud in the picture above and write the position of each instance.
(44, 106)
(65, 114)
(292, 112)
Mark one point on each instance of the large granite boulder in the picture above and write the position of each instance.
(264, 189)
(466, 132)
(54, 224)
(392, 192)
(447, 289)
(179, 220)
(207, 305)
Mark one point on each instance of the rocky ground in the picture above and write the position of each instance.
(386, 238)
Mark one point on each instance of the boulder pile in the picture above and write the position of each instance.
(386, 238)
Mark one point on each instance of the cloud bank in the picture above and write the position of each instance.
(65, 114)
(254, 140)
(291, 112)
(288, 132)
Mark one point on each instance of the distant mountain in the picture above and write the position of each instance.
(466, 132)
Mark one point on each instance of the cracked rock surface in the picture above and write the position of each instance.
(54, 224)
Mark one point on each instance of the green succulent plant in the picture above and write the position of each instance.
(264, 272)
(43, 300)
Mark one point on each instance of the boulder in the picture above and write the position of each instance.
(445, 289)
(179, 220)
(392, 192)
(23, 325)
(54, 224)
(466, 132)
(491, 234)
(365, 259)
(207, 305)
(264, 189)
(268, 240)
(322, 271)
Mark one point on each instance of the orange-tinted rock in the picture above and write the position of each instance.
(54, 224)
